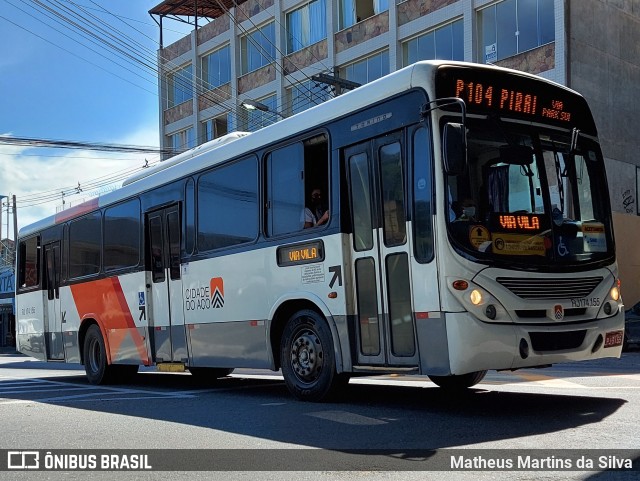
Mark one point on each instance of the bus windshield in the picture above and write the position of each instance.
(530, 198)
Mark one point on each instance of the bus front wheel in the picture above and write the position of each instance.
(307, 357)
(461, 381)
(95, 357)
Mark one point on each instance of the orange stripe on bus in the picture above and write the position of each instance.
(77, 210)
(105, 299)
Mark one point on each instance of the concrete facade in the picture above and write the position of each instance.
(603, 59)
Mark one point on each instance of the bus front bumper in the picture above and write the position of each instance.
(475, 345)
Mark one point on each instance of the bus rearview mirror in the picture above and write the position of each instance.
(516, 155)
(454, 141)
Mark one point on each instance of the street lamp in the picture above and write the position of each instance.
(255, 105)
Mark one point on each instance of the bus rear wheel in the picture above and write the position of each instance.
(307, 357)
(457, 382)
(96, 366)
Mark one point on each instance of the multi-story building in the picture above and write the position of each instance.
(270, 53)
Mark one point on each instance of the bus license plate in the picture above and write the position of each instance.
(613, 338)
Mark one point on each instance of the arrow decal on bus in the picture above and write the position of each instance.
(337, 276)
(217, 292)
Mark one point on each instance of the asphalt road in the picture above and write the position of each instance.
(565, 410)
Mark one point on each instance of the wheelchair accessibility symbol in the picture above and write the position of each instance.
(562, 249)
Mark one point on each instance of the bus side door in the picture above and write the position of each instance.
(385, 324)
(53, 316)
(166, 320)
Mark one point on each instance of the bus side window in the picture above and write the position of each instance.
(422, 193)
(29, 263)
(157, 258)
(316, 185)
(293, 172)
(285, 188)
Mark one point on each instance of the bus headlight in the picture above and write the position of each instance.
(613, 302)
(477, 300)
(615, 293)
(476, 297)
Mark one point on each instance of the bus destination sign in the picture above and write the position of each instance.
(502, 99)
(517, 223)
(514, 95)
(304, 253)
(525, 222)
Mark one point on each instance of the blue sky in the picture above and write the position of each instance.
(53, 86)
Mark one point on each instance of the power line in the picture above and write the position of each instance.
(103, 37)
(75, 144)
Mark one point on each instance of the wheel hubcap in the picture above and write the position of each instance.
(306, 356)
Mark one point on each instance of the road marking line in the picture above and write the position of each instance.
(42, 390)
(64, 400)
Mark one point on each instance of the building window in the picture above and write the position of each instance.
(180, 89)
(216, 68)
(306, 25)
(215, 127)
(252, 120)
(183, 140)
(367, 70)
(445, 43)
(304, 95)
(258, 48)
(353, 11)
(514, 26)
(228, 205)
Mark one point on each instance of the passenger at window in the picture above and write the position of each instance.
(316, 212)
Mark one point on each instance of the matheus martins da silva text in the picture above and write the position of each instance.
(547, 462)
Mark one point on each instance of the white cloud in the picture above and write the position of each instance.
(38, 176)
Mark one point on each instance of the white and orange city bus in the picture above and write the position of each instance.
(469, 229)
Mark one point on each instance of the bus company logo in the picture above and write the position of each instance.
(204, 297)
(216, 286)
(558, 312)
(23, 460)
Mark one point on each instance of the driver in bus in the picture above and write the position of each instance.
(315, 213)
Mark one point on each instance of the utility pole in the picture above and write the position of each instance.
(15, 229)
(3, 249)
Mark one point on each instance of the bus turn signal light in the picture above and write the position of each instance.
(460, 285)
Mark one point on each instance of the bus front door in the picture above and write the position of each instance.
(166, 317)
(53, 315)
(385, 325)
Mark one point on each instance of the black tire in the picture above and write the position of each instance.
(307, 358)
(95, 357)
(210, 373)
(459, 382)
